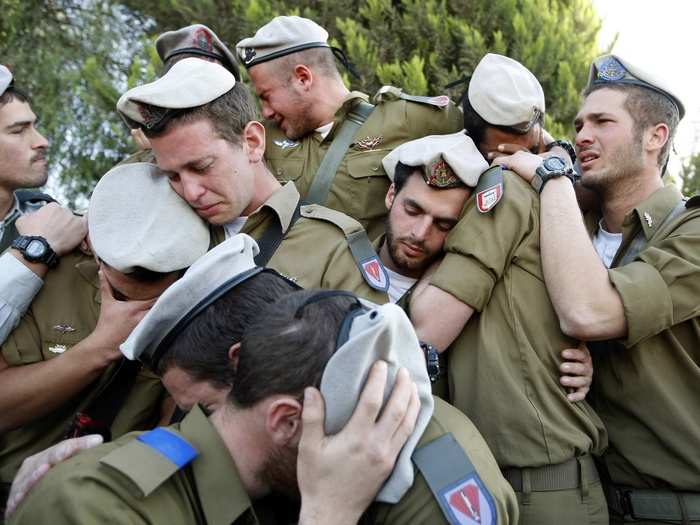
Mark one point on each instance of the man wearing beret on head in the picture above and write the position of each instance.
(487, 301)
(34, 231)
(640, 262)
(327, 339)
(328, 140)
(61, 372)
(202, 127)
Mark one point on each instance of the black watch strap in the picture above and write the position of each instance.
(432, 361)
(566, 146)
(48, 257)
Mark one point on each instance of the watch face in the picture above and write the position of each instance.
(35, 248)
(554, 164)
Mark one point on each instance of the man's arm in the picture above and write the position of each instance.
(587, 304)
(31, 391)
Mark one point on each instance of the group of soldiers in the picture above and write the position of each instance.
(384, 310)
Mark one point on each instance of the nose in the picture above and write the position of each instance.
(267, 111)
(39, 141)
(191, 189)
(583, 136)
(421, 228)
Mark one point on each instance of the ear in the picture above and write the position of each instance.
(390, 196)
(656, 137)
(283, 420)
(254, 138)
(233, 354)
(304, 77)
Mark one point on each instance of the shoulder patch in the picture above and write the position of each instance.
(151, 458)
(469, 502)
(374, 273)
(489, 190)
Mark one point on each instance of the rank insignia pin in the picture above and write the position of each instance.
(57, 349)
(64, 328)
(368, 143)
(286, 143)
(648, 218)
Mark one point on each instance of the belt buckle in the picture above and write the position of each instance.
(623, 497)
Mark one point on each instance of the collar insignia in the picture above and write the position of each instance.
(648, 218)
(64, 328)
(286, 143)
(57, 349)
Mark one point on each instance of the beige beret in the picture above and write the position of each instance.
(503, 92)
(222, 268)
(199, 40)
(381, 332)
(613, 69)
(282, 36)
(136, 219)
(190, 83)
(445, 161)
(5, 78)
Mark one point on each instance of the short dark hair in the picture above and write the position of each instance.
(229, 114)
(202, 347)
(287, 348)
(476, 126)
(320, 59)
(647, 108)
(401, 174)
(13, 93)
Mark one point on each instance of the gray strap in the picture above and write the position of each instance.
(368, 261)
(446, 467)
(272, 237)
(323, 180)
(676, 507)
(639, 242)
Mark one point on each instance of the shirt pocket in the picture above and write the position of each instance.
(364, 189)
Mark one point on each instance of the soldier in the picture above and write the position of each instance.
(639, 260)
(60, 370)
(312, 338)
(51, 230)
(201, 125)
(496, 316)
(328, 140)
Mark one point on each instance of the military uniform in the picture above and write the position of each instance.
(361, 183)
(62, 314)
(503, 367)
(145, 480)
(647, 386)
(314, 252)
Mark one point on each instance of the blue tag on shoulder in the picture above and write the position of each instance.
(175, 448)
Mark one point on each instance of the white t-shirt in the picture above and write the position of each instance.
(324, 130)
(398, 285)
(606, 244)
(234, 227)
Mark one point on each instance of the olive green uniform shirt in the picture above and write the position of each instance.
(314, 252)
(64, 313)
(647, 385)
(360, 183)
(129, 482)
(504, 367)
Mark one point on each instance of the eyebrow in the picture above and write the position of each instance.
(21, 123)
(436, 218)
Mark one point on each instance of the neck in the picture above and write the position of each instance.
(265, 185)
(7, 200)
(334, 94)
(237, 433)
(618, 201)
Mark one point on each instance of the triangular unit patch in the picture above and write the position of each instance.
(375, 274)
(469, 502)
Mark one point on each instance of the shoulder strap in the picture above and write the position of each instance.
(151, 458)
(454, 482)
(640, 241)
(99, 410)
(9, 233)
(363, 252)
(391, 93)
(272, 237)
(323, 180)
(24, 196)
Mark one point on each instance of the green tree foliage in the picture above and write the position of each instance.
(84, 53)
(690, 175)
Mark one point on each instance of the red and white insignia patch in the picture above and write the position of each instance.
(440, 101)
(375, 274)
(488, 198)
(470, 503)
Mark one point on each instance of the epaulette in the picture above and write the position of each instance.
(389, 93)
(693, 202)
(151, 458)
(363, 252)
(456, 485)
(33, 197)
(489, 190)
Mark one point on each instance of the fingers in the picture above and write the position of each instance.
(313, 418)
(575, 354)
(577, 395)
(370, 402)
(405, 429)
(105, 287)
(398, 404)
(574, 369)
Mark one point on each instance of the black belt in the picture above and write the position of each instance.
(562, 476)
(655, 505)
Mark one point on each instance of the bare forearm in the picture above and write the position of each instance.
(438, 317)
(31, 391)
(587, 304)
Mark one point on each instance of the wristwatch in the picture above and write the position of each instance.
(551, 168)
(432, 361)
(566, 146)
(35, 249)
